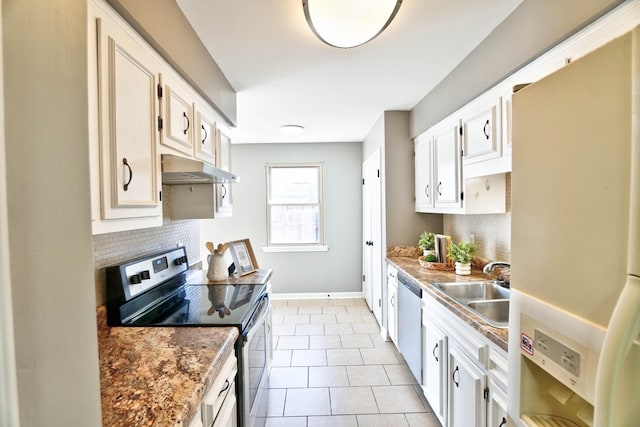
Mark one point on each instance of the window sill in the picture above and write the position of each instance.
(274, 249)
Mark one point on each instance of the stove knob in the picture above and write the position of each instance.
(145, 275)
(179, 261)
(135, 279)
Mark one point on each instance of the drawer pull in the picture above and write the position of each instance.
(227, 384)
(435, 347)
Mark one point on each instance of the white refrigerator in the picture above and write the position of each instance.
(574, 346)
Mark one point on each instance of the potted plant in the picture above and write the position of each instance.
(426, 242)
(462, 253)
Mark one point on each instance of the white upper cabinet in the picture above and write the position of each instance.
(423, 149)
(447, 154)
(128, 169)
(205, 131)
(139, 108)
(176, 120)
(224, 196)
(481, 132)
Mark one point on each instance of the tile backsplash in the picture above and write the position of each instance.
(492, 233)
(113, 248)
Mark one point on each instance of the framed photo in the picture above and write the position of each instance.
(243, 257)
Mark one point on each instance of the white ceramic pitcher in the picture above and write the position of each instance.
(217, 268)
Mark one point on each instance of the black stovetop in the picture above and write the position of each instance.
(164, 298)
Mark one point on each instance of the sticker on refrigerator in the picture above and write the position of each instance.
(526, 343)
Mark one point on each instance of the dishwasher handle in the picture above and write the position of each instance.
(415, 289)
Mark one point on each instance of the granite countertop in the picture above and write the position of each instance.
(423, 277)
(258, 277)
(156, 376)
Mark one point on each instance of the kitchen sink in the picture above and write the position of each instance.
(486, 299)
(472, 291)
(495, 312)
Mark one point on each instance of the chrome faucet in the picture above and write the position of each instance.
(500, 280)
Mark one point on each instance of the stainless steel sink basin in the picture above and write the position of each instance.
(496, 311)
(486, 299)
(472, 291)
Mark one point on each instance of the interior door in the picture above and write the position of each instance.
(372, 235)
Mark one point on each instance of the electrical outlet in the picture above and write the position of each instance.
(472, 238)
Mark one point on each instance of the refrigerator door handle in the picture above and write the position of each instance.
(623, 329)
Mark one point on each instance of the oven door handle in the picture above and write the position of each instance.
(258, 315)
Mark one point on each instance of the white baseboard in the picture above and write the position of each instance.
(317, 295)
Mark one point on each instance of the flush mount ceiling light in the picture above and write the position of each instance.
(349, 23)
(291, 129)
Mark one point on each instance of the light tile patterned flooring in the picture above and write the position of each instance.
(331, 367)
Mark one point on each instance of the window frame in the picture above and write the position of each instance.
(295, 247)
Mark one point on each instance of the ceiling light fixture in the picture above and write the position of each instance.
(349, 23)
(291, 129)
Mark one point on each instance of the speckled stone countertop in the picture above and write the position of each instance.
(423, 277)
(156, 376)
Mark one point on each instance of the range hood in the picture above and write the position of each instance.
(180, 170)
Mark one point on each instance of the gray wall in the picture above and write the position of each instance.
(533, 28)
(165, 27)
(402, 225)
(339, 269)
(46, 134)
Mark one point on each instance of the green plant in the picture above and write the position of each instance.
(426, 241)
(431, 258)
(462, 252)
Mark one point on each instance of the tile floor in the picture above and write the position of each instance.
(331, 367)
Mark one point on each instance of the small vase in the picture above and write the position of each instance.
(463, 269)
(426, 252)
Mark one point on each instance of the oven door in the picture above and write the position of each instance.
(257, 354)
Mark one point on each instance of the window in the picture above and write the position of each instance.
(294, 206)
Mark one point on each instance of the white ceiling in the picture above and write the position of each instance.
(284, 75)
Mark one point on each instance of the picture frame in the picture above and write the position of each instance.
(243, 257)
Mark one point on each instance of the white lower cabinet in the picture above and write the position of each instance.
(497, 411)
(218, 407)
(464, 374)
(434, 381)
(392, 303)
(466, 385)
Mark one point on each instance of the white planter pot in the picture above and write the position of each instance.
(463, 269)
(426, 252)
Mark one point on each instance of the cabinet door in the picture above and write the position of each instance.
(224, 197)
(497, 413)
(467, 382)
(392, 313)
(130, 179)
(435, 370)
(177, 114)
(205, 133)
(481, 134)
(447, 154)
(424, 172)
(228, 414)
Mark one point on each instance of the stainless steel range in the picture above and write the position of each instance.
(157, 291)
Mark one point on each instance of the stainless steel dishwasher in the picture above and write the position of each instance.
(410, 325)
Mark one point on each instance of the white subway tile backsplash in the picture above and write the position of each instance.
(114, 248)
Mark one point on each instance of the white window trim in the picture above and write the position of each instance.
(311, 247)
